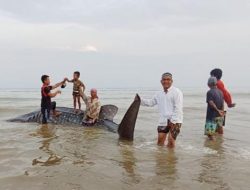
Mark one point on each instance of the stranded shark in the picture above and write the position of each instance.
(68, 117)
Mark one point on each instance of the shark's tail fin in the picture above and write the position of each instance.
(127, 125)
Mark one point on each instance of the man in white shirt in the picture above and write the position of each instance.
(170, 106)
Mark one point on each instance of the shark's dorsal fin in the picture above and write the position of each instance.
(127, 125)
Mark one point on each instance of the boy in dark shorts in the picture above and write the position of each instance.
(215, 110)
(78, 89)
(46, 104)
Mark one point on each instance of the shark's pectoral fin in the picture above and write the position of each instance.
(127, 125)
(108, 112)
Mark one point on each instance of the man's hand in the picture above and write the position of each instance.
(170, 124)
(221, 112)
(65, 79)
(59, 84)
(52, 95)
(232, 105)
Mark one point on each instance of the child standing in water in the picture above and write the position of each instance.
(78, 89)
(220, 85)
(215, 110)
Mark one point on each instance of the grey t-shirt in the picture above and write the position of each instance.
(215, 95)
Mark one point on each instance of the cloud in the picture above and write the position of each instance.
(123, 13)
(172, 32)
(83, 49)
(88, 48)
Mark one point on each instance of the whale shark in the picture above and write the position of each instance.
(106, 119)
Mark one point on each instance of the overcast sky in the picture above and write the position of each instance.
(124, 43)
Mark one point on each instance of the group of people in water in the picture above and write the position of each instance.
(169, 102)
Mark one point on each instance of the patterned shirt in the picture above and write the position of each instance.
(93, 107)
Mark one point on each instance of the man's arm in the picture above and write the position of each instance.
(223, 105)
(54, 94)
(177, 116)
(72, 80)
(59, 84)
(83, 86)
(149, 102)
(48, 89)
(226, 94)
(213, 105)
(84, 98)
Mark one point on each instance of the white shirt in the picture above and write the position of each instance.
(170, 105)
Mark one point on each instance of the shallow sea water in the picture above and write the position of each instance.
(66, 157)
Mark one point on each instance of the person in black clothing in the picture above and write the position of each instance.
(46, 104)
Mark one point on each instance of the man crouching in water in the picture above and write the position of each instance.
(46, 104)
(93, 108)
(170, 106)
